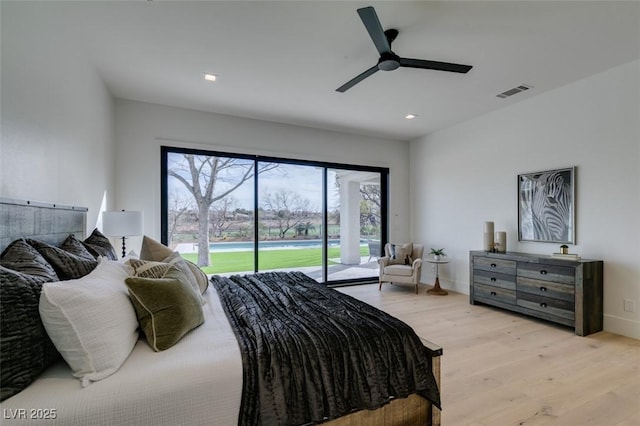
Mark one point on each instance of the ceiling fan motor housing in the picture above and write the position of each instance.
(388, 61)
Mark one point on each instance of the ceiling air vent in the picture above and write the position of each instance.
(515, 90)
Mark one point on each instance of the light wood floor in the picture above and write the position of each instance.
(501, 368)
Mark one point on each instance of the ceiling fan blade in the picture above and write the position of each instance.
(373, 26)
(434, 65)
(349, 84)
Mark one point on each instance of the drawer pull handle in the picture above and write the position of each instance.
(543, 305)
(493, 293)
(543, 272)
(493, 265)
(493, 279)
(543, 289)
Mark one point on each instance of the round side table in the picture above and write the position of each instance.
(437, 290)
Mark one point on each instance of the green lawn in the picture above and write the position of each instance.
(242, 261)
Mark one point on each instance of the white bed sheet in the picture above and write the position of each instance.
(196, 382)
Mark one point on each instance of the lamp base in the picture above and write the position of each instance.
(124, 250)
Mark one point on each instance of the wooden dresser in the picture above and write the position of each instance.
(567, 292)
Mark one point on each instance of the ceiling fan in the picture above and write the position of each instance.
(389, 61)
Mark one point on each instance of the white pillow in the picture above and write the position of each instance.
(91, 320)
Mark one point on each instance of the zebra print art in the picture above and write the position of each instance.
(546, 206)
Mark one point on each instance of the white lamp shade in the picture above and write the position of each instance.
(122, 224)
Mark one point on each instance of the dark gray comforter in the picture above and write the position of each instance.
(311, 353)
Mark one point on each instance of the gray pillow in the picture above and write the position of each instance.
(99, 245)
(74, 246)
(68, 266)
(20, 256)
(25, 347)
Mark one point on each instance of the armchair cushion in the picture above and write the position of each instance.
(399, 270)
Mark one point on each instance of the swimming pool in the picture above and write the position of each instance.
(273, 245)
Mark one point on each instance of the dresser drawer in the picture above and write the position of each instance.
(491, 293)
(495, 265)
(555, 273)
(554, 307)
(495, 279)
(547, 289)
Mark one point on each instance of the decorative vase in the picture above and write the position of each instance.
(501, 242)
(488, 236)
(436, 257)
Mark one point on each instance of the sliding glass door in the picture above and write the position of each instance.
(208, 213)
(290, 219)
(355, 224)
(242, 214)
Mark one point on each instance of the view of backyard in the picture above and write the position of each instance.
(242, 261)
(216, 211)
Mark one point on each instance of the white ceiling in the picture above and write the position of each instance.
(282, 61)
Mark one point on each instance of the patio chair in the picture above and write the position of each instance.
(374, 249)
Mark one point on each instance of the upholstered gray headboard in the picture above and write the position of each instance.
(47, 222)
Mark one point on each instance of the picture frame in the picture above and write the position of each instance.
(546, 206)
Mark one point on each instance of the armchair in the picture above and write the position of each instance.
(405, 267)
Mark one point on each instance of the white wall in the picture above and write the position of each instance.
(467, 175)
(142, 128)
(57, 117)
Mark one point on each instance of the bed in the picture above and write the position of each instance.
(198, 381)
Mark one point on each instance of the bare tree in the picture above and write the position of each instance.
(179, 206)
(370, 206)
(287, 208)
(201, 175)
(221, 216)
(371, 194)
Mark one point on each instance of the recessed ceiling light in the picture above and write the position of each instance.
(410, 116)
(210, 77)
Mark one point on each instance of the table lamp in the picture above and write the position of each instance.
(122, 224)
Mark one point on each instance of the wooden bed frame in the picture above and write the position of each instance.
(52, 223)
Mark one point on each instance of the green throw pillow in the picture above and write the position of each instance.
(152, 269)
(153, 250)
(167, 308)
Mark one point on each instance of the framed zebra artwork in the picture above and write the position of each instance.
(546, 206)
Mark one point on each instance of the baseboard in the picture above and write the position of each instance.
(622, 326)
(460, 286)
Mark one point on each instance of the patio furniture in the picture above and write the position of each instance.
(374, 249)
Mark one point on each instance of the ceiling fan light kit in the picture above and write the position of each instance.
(389, 61)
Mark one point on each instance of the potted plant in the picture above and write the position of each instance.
(437, 253)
